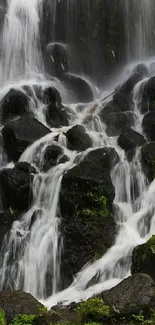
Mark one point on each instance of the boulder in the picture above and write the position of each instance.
(56, 115)
(132, 295)
(142, 69)
(78, 139)
(19, 134)
(79, 89)
(18, 302)
(143, 258)
(130, 139)
(16, 188)
(15, 103)
(62, 315)
(148, 160)
(87, 226)
(7, 218)
(104, 157)
(115, 120)
(123, 93)
(51, 156)
(149, 125)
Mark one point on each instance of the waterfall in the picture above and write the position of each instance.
(31, 251)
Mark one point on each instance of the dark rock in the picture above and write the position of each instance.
(56, 116)
(18, 302)
(78, 139)
(36, 214)
(141, 69)
(63, 159)
(60, 58)
(19, 134)
(148, 160)
(87, 226)
(104, 157)
(132, 295)
(7, 218)
(149, 89)
(122, 96)
(143, 258)
(51, 156)
(25, 167)
(16, 188)
(130, 139)
(78, 88)
(149, 125)
(15, 103)
(59, 315)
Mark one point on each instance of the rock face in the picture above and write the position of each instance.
(143, 258)
(130, 139)
(78, 139)
(87, 226)
(122, 96)
(133, 294)
(149, 125)
(14, 104)
(148, 160)
(79, 89)
(16, 187)
(56, 115)
(19, 134)
(18, 302)
(105, 157)
(7, 218)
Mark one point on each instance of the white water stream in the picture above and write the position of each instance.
(34, 242)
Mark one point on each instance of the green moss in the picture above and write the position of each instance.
(42, 309)
(94, 310)
(151, 244)
(23, 319)
(2, 318)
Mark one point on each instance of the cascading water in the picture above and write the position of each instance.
(34, 243)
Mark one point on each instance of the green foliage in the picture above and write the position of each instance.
(23, 319)
(95, 310)
(42, 309)
(140, 318)
(2, 318)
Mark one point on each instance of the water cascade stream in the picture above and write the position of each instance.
(35, 243)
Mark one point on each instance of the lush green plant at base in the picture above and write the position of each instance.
(23, 319)
(2, 318)
(94, 310)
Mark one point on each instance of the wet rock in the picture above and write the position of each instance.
(60, 58)
(19, 134)
(7, 218)
(123, 93)
(16, 188)
(105, 157)
(15, 103)
(143, 258)
(130, 139)
(148, 160)
(51, 156)
(56, 115)
(87, 225)
(59, 315)
(78, 139)
(79, 89)
(132, 295)
(63, 159)
(141, 69)
(18, 302)
(25, 167)
(149, 125)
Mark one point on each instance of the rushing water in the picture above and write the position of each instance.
(34, 242)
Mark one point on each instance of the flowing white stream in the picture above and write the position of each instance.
(34, 242)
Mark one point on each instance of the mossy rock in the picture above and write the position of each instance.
(143, 258)
(87, 226)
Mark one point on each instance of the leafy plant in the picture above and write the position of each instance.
(23, 319)
(95, 310)
(2, 317)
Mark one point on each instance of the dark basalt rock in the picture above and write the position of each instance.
(105, 157)
(122, 96)
(132, 295)
(16, 188)
(78, 139)
(51, 156)
(78, 88)
(25, 167)
(141, 69)
(18, 302)
(87, 226)
(15, 103)
(56, 116)
(130, 139)
(148, 160)
(19, 134)
(143, 258)
(149, 125)
(7, 218)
